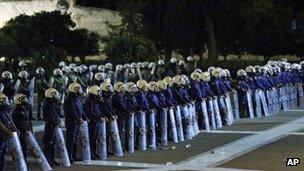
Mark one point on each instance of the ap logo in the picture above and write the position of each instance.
(292, 161)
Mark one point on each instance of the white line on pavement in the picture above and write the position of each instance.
(122, 164)
(233, 132)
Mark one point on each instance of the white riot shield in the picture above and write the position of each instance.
(206, 124)
(300, 96)
(85, 142)
(283, 98)
(218, 118)
(17, 85)
(179, 124)
(270, 102)
(211, 113)
(34, 147)
(229, 108)
(249, 104)
(62, 147)
(236, 110)
(14, 147)
(32, 91)
(258, 110)
(173, 126)
(264, 103)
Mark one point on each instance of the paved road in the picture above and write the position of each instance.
(268, 143)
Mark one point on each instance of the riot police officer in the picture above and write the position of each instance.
(99, 78)
(42, 86)
(22, 115)
(120, 108)
(242, 88)
(59, 82)
(143, 107)
(96, 116)
(51, 111)
(74, 116)
(7, 126)
(8, 85)
(131, 116)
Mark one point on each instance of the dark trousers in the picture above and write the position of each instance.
(72, 129)
(49, 141)
(2, 151)
(93, 136)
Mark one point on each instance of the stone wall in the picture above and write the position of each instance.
(94, 19)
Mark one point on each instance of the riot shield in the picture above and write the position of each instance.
(173, 126)
(85, 142)
(14, 147)
(205, 116)
(34, 147)
(117, 148)
(179, 123)
(142, 131)
(62, 147)
(101, 139)
(218, 118)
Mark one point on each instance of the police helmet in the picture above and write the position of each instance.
(119, 86)
(7, 74)
(51, 93)
(57, 72)
(152, 86)
(20, 98)
(23, 74)
(142, 84)
(75, 88)
(205, 76)
(162, 84)
(95, 90)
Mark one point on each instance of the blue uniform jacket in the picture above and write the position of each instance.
(178, 95)
(218, 87)
(196, 91)
(119, 104)
(162, 99)
(51, 111)
(153, 101)
(22, 115)
(92, 108)
(107, 105)
(170, 101)
(132, 103)
(73, 108)
(142, 101)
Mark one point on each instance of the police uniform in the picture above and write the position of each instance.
(95, 114)
(51, 111)
(8, 84)
(74, 116)
(42, 86)
(6, 127)
(22, 115)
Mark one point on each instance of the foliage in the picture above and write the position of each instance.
(262, 27)
(46, 36)
(126, 42)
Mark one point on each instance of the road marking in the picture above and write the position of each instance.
(233, 132)
(296, 133)
(122, 164)
(234, 149)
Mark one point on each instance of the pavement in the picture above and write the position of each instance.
(249, 144)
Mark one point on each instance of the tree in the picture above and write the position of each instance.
(225, 27)
(126, 42)
(46, 36)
